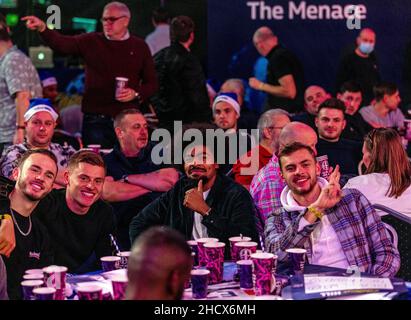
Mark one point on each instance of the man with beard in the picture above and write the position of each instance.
(202, 204)
(159, 265)
(78, 222)
(337, 228)
(34, 177)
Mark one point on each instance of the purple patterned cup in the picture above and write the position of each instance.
(34, 276)
(90, 292)
(263, 266)
(119, 283)
(245, 270)
(199, 283)
(324, 166)
(28, 286)
(121, 83)
(214, 254)
(194, 249)
(124, 255)
(233, 250)
(55, 277)
(44, 293)
(244, 250)
(200, 245)
(110, 263)
(297, 258)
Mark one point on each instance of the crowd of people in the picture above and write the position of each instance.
(64, 206)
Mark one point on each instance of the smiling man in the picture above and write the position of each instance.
(202, 204)
(78, 222)
(40, 121)
(337, 228)
(34, 177)
(330, 123)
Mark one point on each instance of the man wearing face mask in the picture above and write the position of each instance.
(361, 65)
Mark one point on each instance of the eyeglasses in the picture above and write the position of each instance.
(272, 128)
(111, 19)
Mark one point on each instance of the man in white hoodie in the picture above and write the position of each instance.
(338, 228)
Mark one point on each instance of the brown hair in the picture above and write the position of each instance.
(28, 153)
(388, 156)
(384, 88)
(291, 148)
(332, 103)
(180, 29)
(85, 156)
(120, 117)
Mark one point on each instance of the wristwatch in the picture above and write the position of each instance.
(124, 178)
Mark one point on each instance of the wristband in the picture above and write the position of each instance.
(316, 212)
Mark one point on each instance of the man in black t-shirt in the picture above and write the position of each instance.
(285, 74)
(34, 175)
(330, 122)
(78, 222)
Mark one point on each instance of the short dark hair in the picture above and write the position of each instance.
(28, 153)
(120, 117)
(290, 148)
(4, 32)
(350, 86)
(160, 15)
(332, 103)
(180, 28)
(380, 90)
(86, 156)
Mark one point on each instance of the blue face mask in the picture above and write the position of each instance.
(366, 47)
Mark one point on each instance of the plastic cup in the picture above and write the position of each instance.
(124, 255)
(325, 167)
(297, 258)
(194, 249)
(245, 270)
(110, 263)
(44, 293)
(28, 286)
(199, 283)
(94, 147)
(119, 283)
(244, 250)
(214, 255)
(55, 277)
(90, 292)
(34, 271)
(121, 83)
(264, 278)
(233, 250)
(34, 276)
(200, 244)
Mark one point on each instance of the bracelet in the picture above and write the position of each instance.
(316, 212)
(124, 178)
(5, 216)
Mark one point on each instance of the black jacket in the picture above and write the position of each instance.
(182, 93)
(232, 212)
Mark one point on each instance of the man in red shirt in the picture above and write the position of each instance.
(107, 55)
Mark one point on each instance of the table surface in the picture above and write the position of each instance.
(229, 289)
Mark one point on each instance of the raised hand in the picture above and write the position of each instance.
(34, 23)
(331, 194)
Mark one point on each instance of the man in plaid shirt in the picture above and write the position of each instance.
(267, 184)
(338, 228)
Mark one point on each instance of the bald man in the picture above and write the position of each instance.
(285, 75)
(267, 184)
(313, 97)
(360, 65)
(159, 265)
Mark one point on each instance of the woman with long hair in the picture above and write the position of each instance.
(387, 179)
